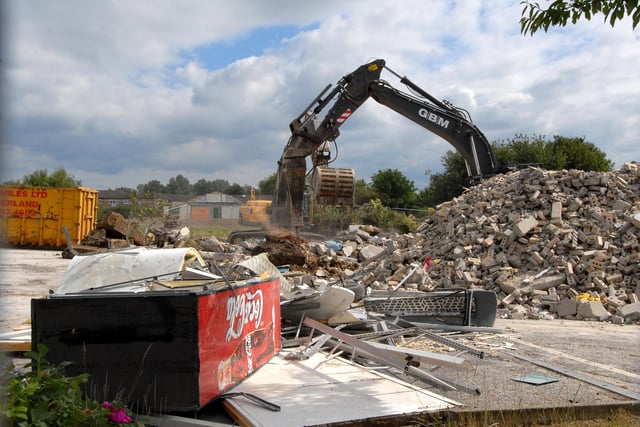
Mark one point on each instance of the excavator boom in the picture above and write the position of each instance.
(445, 121)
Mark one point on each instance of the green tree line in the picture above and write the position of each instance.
(179, 184)
(557, 153)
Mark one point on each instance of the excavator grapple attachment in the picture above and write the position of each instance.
(334, 186)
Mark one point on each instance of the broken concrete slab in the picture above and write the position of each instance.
(566, 307)
(592, 310)
(630, 312)
(525, 226)
(369, 252)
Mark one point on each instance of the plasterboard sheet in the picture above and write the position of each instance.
(322, 391)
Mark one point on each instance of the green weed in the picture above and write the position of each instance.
(42, 395)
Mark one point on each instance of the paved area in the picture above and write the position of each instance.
(26, 274)
(606, 355)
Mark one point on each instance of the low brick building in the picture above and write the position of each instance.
(208, 208)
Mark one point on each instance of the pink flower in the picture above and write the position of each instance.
(119, 416)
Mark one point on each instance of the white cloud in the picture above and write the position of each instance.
(114, 92)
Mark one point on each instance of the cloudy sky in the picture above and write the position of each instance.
(120, 93)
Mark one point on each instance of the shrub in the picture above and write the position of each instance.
(329, 219)
(44, 396)
(374, 213)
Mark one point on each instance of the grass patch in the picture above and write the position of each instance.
(220, 232)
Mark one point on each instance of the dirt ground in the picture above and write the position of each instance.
(602, 353)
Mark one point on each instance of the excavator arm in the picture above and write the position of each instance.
(310, 133)
(308, 137)
(445, 120)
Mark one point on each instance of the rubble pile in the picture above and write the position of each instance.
(114, 231)
(549, 243)
(283, 247)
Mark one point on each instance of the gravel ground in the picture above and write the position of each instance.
(607, 354)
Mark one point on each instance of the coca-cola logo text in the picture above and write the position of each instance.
(242, 310)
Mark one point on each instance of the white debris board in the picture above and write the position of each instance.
(321, 391)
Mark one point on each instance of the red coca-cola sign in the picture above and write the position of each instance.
(243, 310)
(238, 332)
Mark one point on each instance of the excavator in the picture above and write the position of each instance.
(311, 135)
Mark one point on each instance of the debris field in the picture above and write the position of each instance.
(551, 244)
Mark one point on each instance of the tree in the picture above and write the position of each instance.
(394, 189)
(560, 153)
(559, 12)
(520, 150)
(364, 192)
(448, 184)
(375, 213)
(152, 213)
(268, 185)
(237, 190)
(59, 179)
(152, 187)
(179, 185)
(576, 153)
(202, 187)
(220, 185)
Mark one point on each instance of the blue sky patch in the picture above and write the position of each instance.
(218, 55)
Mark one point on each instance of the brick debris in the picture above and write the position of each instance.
(550, 244)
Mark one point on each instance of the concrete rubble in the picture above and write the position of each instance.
(114, 231)
(550, 244)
